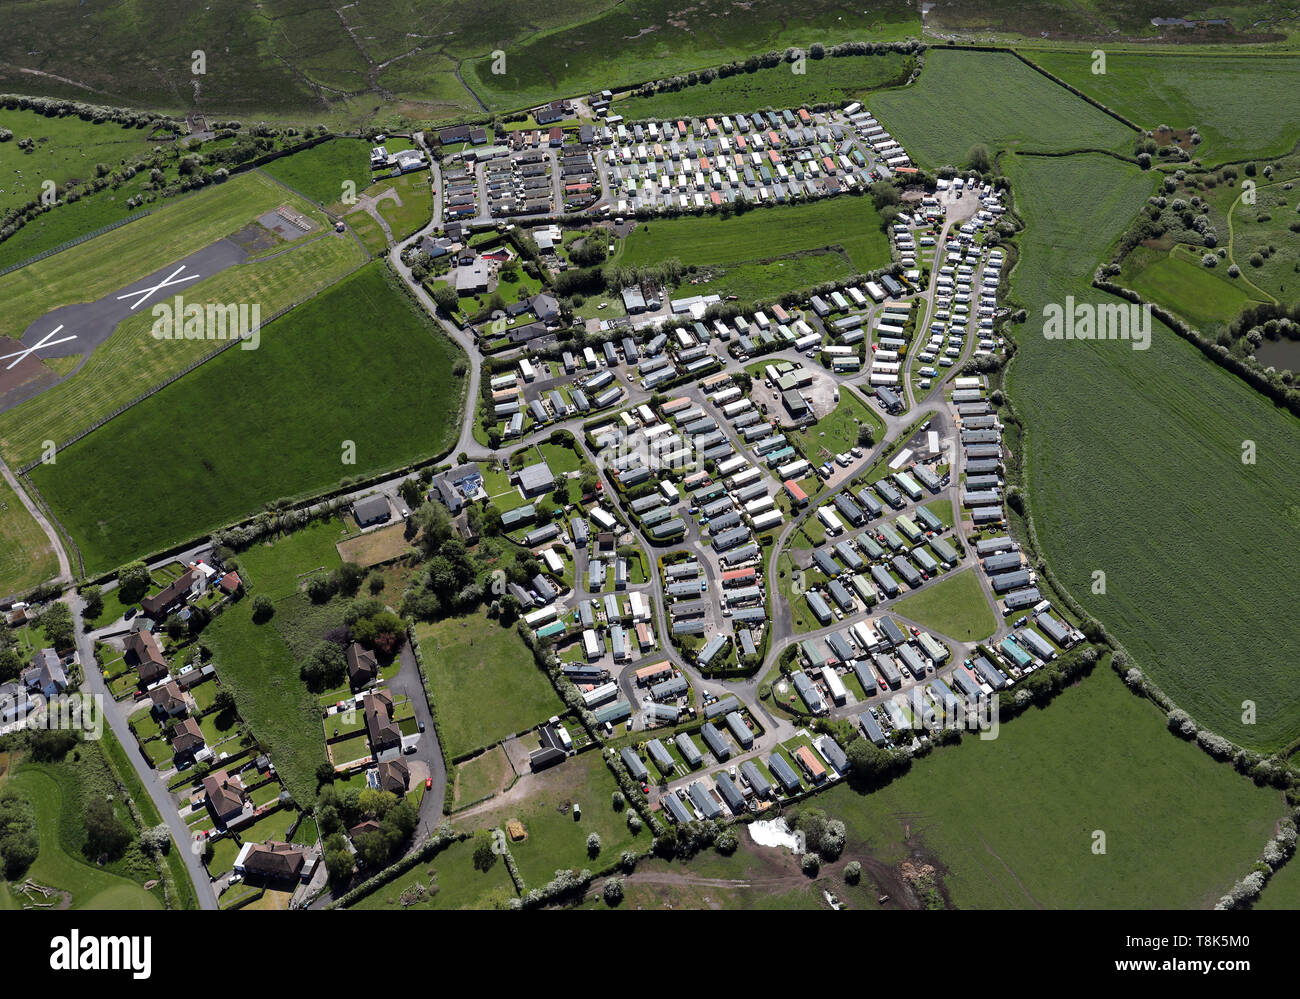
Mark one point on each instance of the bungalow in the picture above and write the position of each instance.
(383, 730)
(224, 794)
(46, 674)
(174, 594)
(371, 510)
(168, 699)
(394, 775)
(144, 652)
(274, 861)
(187, 738)
(363, 667)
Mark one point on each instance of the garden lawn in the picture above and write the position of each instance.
(956, 606)
(320, 378)
(483, 683)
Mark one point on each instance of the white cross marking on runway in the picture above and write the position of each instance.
(144, 294)
(21, 355)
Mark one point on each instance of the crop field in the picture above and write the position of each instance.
(27, 558)
(956, 606)
(131, 361)
(965, 98)
(1221, 94)
(652, 39)
(321, 171)
(828, 80)
(849, 224)
(67, 149)
(1035, 850)
(483, 683)
(402, 404)
(1130, 457)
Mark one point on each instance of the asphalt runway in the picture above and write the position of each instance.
(79, 329)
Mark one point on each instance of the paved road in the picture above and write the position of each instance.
(116, 714)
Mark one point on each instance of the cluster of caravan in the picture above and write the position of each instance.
(761, 157)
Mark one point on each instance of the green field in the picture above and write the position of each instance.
(555, 841)
(653, 39)
(320, 172)
(416, 208)
(849, 225)
(57, 793)
(276, 568)
(483, 683)
(27, 558)
(255, 664)
(956, 606)
(825, 81)
(991, 98)
(67, 151)
(131, 361)
(401, 404)
(1205, 297)
(450, 880)
(1143, 480)
(1219, 93)
(838, 432)
(1012, 830)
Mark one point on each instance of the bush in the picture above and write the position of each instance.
(613, 891)
(810, 865)
(263, 609)
(852, 872)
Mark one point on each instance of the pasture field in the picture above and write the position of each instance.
(763, 282)
(555, 841)
(1206, 298)
(255, 665)
(828, 80)
(67, 150)
(320, 172)
(69, 221)
(956, 606)
(483, 683)
(992, 98)
(849, 224)
(653, 39)
(278, 567)
(1034, 849)
(27, 558)
(1130, 455)
(1283, 889)
(450, 881)
(58, 793)
(402, 404)
(416, 208)
(1265, 236)
(1222, 94)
